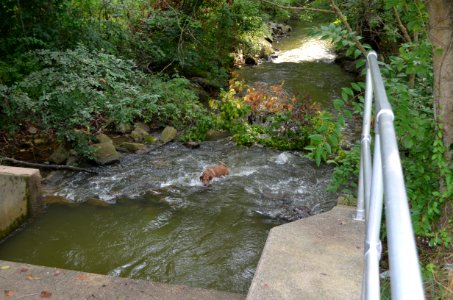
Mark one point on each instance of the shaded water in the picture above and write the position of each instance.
(304, 66)
(156, 221)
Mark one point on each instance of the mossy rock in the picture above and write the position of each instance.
(132, 147)
(59, 156)
(168, 134)
(105, 153)
(139, 134)
(266, 49)
(142, 126)
(150, 139)
(213, 135)
(103, 138)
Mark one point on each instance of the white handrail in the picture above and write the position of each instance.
(384, 179)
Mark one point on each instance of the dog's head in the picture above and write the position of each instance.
(205, 178)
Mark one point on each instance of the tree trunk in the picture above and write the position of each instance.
(441, 36)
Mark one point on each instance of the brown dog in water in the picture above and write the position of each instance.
(211, 172)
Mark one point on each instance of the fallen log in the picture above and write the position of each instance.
(44, 166)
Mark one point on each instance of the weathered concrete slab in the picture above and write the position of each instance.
(20, 196)
(320, 257)
(23, 281)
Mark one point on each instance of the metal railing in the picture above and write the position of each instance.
(383, 178)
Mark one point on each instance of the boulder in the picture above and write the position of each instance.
(59, 156)
(168, 134)
(103, 138)
(273, 27)
(105, 153)
(286, 29)
(150, 139)
(133, 147)
(266, 49)
(213, 135)
(139, 134)
(142, 126)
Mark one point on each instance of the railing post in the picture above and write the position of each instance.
(387, 182)
(405, 275)
(373, 247)
(363, 194)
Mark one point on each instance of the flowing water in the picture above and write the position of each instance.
(304, 66)
(149, 217)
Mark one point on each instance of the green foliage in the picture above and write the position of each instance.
(346, 175)
(267, 115)
(325, 137)
(342, 39)
(79, 92)
(407, 73)
(198, 42)
(435, 288)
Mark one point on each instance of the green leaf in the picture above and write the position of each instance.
(318, 156)
(338, 103)
(344, 96)
(347, 114)
(408, 143)
(356, 87)
(360, 63)
(333, 140)
(328, 148)
(317, 138)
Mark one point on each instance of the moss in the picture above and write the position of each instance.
(32, 197)
(18, 222)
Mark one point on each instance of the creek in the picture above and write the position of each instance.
(149, 217)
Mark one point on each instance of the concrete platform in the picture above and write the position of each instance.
(320, 257)
(20, 197)
(23, 281)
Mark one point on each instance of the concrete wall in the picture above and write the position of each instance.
(20, 197)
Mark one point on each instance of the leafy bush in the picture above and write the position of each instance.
(174, 41)
(268, 115)
(408, 80)
(79, 92)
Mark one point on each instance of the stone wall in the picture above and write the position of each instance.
(20, 197)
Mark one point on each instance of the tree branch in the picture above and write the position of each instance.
(44, 166)
(403, 29)
(407, 39)
(346, 24)
(296, 7)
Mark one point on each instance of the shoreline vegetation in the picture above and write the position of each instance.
(71, 71)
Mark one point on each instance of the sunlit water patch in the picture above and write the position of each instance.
(311, 49)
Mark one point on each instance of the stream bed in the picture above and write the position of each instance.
(149, 216)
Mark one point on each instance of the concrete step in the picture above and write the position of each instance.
(24, 281)
(320, 257)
